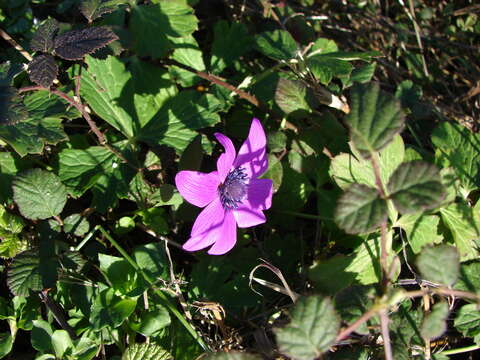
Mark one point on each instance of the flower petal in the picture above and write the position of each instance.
(248, 217)
(259, 197)
(198, 188)
(252, 155)
(225, 161)
(207, 227)
(259, 194)
(227, 237)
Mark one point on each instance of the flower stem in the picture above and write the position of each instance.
(163, 298)
(460, 350)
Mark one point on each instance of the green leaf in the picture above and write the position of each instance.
(467, 320)
(230, 41)
(187, 52)
(39, 194)
(434, 324)
(277, 44)
(80, 169)
(119, 271)
(146, 352)
(76, 224)
(374, 119)
(439, 264)
(312, 330)
(152, 260)
(325, 68)
(152, 25)
(421, 230)
(232, 356)
(41, 336)
(11, 108)
(105, 87)
(416, 186)
(360, 209)
(347, 169)
(464, 224)
(42, 104)
(6, 344)
(152, 321)
(24, 274)
(61, 342)
(469, 277)
(109, 310)
(456, 146)
(293, 95)
(174, 123)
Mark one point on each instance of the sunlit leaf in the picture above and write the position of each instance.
(146, 352)
(311, 331)
(467, 320)
(277, 44)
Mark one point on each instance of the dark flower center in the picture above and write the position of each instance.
(234, 188)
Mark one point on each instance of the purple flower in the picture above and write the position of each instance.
(231, 196)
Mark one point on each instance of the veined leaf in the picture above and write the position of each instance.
(312, 330)
(231, 40)
(94, 9)
(467, 320)
(374, 119)
(434, 324)
(360, 209)
(24, 273)
(42, 70)
(232, 356)
(75, 44)
(440, 264)
(146, 352)
(293, 95)
(39, 194)
(277, 44)
(416, 186)
(421, 230)
(43, 38)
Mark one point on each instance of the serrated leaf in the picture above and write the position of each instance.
(277, 44)
(24, 273)
(293, 95)
(464, 224)
(232, 356)
(104, 86)
(153, 24)
(44, 36)
(230, 41)
(416, 186)
(421, 230)
(458, 147)
(312, 330)
(75, 44)
(94, 9)
(146, 352)
(174, 123)
(12, 109)
(469, 277)
(434, 324)
(374, 119)
(360, 209)
(39, 194)
(467, 320)
(42, 70)
(42, 104)
(439, 264)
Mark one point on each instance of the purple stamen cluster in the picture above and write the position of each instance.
(234, 188)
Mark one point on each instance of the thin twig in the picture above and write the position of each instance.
(354, 326)
(17, 47)
(216, 80)
(387, 345)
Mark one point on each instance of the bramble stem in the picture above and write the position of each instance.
(387, 345)
(165, 301)
(351, 328)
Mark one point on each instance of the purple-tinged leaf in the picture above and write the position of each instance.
(44, 37)
(12, 109)
(94, 9)
(75, 44)
(42, 70)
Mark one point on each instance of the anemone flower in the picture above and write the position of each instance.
(231, 196)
